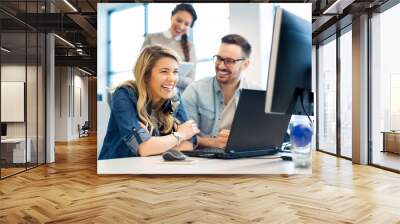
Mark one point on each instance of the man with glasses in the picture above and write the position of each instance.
(211, 102)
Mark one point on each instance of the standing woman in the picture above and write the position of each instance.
(182, 19)
(147, 117)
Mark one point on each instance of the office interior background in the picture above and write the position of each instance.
(48, 82)
(49, 79)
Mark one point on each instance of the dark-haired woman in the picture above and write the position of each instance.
(182, 19)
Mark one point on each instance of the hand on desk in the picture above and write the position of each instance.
(222, 138)
(188, 129)
(218, 141)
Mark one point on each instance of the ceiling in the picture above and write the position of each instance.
(77, 26)
(77, 23)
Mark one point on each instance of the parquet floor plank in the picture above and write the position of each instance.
(70, 191)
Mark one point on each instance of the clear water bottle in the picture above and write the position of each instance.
(300, 139)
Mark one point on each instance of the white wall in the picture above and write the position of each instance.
(67, 114)
(80, 83)
(103, 110)
(61, 103)
(254, 22)
(12, 73)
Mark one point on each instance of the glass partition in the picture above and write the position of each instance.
(385, 89)
(346, 93)
(13, 95)
(327, 96)
(22, 77)
(41, 96)
(31, 98)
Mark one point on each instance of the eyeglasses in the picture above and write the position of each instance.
(227, 61)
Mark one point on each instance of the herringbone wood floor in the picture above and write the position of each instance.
(70, 191)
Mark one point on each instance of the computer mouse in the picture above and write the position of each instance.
(287, 158)
(173, 155)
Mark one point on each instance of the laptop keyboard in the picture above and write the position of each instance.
(211, 150)
(222, 154)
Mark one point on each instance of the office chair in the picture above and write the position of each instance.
(84, 130)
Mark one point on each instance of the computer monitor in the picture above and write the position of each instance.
(289, 76)
(3, 129)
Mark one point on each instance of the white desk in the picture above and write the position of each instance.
(18, 150)
(156, 165)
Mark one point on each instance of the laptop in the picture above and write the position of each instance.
(253, 132)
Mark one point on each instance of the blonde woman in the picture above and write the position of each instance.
(147, 117)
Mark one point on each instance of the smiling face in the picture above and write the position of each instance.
(163, 79)
(226, 74)
(180, 23)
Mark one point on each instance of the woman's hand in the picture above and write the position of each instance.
(188, 129)
(144, 127)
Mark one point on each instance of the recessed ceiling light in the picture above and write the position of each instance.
(65, 41)
(84, 71)
(337, 7)
(5, 50)
(70, 5)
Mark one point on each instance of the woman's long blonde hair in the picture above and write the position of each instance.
(142, 72)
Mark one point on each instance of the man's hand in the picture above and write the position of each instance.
(222, 138)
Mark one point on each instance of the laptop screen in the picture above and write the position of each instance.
(252, 128)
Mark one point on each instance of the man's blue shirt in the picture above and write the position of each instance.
(204, 103)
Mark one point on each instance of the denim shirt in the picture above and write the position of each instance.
(204, 103)
(124, 133)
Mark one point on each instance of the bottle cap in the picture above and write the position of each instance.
(301, 135)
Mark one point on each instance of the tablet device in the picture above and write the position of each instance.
(185, 68)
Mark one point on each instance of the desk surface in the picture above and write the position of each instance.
(13, 140)
(390, 132)
(156, 165)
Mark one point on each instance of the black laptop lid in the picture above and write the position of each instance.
(252, 128)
